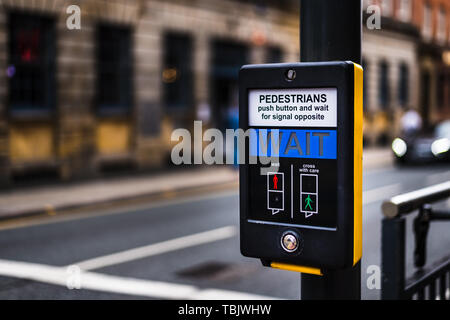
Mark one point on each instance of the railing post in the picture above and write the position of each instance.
(421, 227)
(330, 31)
(393, 258)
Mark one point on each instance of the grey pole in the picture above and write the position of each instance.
(331, 30)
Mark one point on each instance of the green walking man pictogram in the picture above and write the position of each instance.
(308, 201)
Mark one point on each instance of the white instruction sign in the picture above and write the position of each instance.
(293, 107)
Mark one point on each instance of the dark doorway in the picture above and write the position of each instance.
(227, 58)
(177, 72)
(425, 97)
(114, 70)
(384, 86)
(177, 78)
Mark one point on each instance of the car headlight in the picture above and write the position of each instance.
(399, 147)
(440, 146)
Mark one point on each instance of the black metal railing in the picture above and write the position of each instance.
(426, 283)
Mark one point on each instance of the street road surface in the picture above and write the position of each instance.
(183, 248)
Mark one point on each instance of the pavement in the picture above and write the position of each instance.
(50, 199)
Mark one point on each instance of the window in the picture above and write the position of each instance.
(405, 10)
(114, 80)
(426, 23)
(274, 55)
(403, 85)
(442, 25)
(383, 94)
(31, 68)
(177, 71)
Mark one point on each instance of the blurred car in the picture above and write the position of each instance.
(424, 146)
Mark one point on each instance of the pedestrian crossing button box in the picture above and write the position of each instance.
(302, 209)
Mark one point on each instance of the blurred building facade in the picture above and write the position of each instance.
(406, 65)
(79, 101)
(76, 101)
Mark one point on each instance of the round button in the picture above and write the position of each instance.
(289, 242)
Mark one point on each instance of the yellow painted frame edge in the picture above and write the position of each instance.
(357, 163)
(291, 267)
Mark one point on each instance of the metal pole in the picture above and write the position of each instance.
(331, 30)
(392, 258)
(343, 284)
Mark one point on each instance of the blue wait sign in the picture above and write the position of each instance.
(315, 144)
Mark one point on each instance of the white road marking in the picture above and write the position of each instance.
(381, 193)
(119, 285)
(158, 248)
